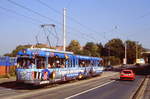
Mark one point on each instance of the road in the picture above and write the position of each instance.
(95, 88)
(114, 90)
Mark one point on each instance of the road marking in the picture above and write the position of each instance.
(89, 90)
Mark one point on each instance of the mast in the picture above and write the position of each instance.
(64, 29)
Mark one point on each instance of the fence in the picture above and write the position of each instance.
(7, 65)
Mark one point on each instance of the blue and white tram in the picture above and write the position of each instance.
(42, 66)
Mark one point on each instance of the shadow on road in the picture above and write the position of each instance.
(22, 86)
(19, 86)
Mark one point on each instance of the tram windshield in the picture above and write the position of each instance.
(25, 62)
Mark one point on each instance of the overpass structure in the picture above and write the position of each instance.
(146, 56)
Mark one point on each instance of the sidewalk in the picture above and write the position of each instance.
(147, 90)
(2, 80)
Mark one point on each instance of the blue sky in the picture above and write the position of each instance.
(87, 20)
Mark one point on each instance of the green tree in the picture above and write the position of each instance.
(115, 47)
(74, 46)
(91, 49)
(132, 49)
(100, 49)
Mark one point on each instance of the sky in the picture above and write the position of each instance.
(87, 21)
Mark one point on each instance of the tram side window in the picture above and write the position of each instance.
(69, 63)
(59, 63)
(82, 63)
(87, 63)
(62, 63)
(92, 63)
(54, 62)
(51, 63)
(40, 63)
(95, 63)
(73, 63)
(100, 63)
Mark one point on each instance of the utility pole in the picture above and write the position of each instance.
(109, 55)
(136, 50)
(64, 28)
(125, 59)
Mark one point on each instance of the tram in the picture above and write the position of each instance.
(44, 66)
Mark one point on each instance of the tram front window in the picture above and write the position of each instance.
(25, 63)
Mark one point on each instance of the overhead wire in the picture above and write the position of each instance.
(48, 17)
(71, 18)
(30, 10)
(85, 25)
(37, 13)
(14, 12)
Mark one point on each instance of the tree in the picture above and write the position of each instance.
(74, 46)
(115, 47)
(100, 49)
(91, 49)
(132, 49)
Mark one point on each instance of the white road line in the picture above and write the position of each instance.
(88, 90)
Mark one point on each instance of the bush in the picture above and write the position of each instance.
(12, 71)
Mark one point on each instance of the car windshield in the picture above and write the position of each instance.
(127, 72)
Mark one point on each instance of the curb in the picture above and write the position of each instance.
(3, 80)
(139, 94)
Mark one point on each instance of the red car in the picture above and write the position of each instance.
(127, 75)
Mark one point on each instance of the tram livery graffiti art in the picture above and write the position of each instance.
(42, 66)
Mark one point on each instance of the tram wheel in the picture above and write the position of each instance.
(64, 78)
(80, 76)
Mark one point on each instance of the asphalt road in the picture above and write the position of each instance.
(95, 88)
(114, 90)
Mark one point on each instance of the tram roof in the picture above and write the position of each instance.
(88, 58)
(44, 52)
(51, 52)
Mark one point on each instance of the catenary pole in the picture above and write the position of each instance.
(64, 29)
